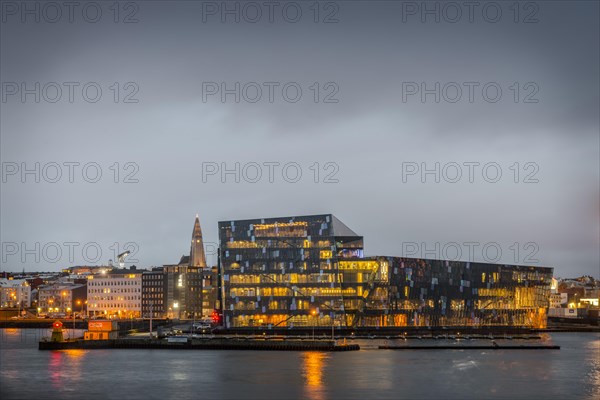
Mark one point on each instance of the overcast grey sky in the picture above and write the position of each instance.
(367, 126)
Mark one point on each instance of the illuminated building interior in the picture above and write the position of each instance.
(115, 295)
(310, 271)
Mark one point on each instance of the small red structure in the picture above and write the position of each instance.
(216, 318)
(57, 331)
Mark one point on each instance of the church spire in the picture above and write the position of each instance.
(197, 258)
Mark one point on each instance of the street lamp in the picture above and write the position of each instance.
(80, 312)
(151, 311)
(62, 300)
(332, 325)
(73, 313)
(313, 325)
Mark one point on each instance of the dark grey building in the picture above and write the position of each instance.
(310, 271)
(154, 289)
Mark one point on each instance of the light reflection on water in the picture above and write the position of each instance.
(593, 375)
(572, 372)
(65, 367)
(313, 363)
(56, 359)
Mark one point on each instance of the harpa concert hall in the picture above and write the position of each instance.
(310, 271)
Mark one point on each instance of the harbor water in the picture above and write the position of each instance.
(571, 372)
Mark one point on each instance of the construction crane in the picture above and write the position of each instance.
(121, 258)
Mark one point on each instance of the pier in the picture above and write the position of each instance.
(201, 344)
(474, 347)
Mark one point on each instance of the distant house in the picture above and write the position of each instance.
(61, 298)
(15, 293)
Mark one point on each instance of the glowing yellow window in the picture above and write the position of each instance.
(326, 253)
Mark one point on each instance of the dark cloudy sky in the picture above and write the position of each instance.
(365, 128)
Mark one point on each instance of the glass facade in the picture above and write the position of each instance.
(310, 271)
(420, 292)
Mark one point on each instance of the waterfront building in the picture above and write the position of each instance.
(61, 298)
(183, 298)
(592, 298)
(115, 294)
(175, 290)
(15, 293)
(154, 290)
(576, 298)
(557, 300)
(310, 271)
(209, 291)
(101, 330)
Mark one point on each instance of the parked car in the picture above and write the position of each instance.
(202, 327)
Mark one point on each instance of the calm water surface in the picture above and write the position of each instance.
(572, 372)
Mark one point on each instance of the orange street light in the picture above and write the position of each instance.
(314, 312)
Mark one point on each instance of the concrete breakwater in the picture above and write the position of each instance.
(398, 332)
(201, 344)
(473, 347)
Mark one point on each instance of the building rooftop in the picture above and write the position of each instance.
(341, 229)
(184, 260)
(338, 227)
(125, 271)
(61, 286)
(13, 282)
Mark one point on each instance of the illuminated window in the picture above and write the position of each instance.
(326, 254)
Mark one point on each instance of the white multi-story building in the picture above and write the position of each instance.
(557, 300)
(15, 293)
(115, 294)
